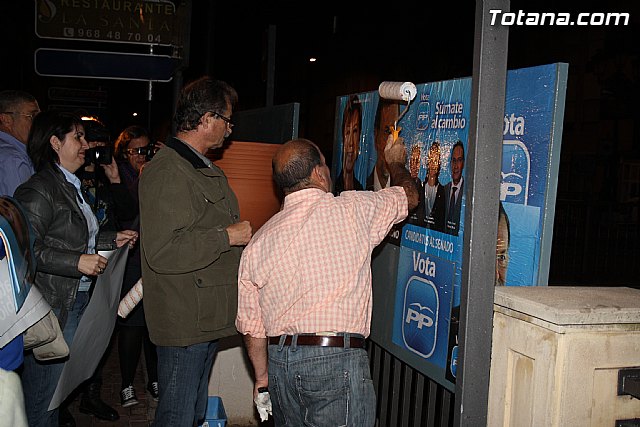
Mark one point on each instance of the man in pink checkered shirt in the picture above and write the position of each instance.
(304, 303)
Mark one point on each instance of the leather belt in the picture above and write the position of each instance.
(321, 341)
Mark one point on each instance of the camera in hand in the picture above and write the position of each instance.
(100, 155)
(152, 149)
(148, 150)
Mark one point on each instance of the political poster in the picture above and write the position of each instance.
(435, 129)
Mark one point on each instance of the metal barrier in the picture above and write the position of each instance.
(592, 245)
(405, 397)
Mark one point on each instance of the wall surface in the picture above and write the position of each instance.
(232, 380)
(247, 165)
(248, 168)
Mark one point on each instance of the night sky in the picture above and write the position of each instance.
(357, 49)
(418, 42)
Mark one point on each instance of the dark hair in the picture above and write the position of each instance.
(382, 104)
(45, 125)
(126, 136)
(502, 213)
(294, 172)
(457, 144)
(200, 96)
(352, 108)
(95, 130)
(9, 99)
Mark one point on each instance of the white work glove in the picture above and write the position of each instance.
(263, 404)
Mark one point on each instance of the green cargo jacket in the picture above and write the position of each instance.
(189, 271)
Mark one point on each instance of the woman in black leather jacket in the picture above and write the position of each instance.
(66, 242)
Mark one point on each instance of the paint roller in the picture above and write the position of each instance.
(399, 91)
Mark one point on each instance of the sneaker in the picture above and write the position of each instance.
(153, 390)
(128, 397)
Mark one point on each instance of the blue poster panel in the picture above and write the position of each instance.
(435, 130)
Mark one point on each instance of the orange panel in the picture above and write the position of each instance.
(248, 167)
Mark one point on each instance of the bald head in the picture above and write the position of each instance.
(299, 164)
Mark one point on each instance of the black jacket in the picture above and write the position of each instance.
(51, 204)
(111, 203)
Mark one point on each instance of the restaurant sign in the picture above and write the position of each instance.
(118, 21)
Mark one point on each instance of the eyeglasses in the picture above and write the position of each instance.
(140, 151)
(29, 116)
(227, 120)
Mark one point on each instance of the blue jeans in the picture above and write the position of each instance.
(321, 386)
(183, 382)
(40, 379)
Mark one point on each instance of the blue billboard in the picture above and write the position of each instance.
(429, 243)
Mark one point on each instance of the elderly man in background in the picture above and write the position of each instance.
(17, 110)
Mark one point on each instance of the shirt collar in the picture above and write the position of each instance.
(13, 141)
(72, 178)
(205, 159)
(301, 195)
(190, 154)
(459, 183)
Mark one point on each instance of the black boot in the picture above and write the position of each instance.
(65, 419)
(90, 403)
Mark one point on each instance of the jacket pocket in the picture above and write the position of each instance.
(213, 196)
(217, 302)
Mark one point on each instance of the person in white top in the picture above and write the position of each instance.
(434, 193)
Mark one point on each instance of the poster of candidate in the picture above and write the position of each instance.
(435, 130)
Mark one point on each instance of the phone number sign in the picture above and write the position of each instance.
(118, 21)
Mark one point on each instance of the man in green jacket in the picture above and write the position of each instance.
(192, 240)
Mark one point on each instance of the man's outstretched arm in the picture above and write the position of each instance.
(257, 352)
(396, 155)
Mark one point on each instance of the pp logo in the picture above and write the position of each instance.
(420, 322)
(423, 116)
(453, 368)
(516, 167)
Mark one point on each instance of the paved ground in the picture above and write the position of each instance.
(136, 416)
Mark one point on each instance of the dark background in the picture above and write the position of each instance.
(597, 210)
